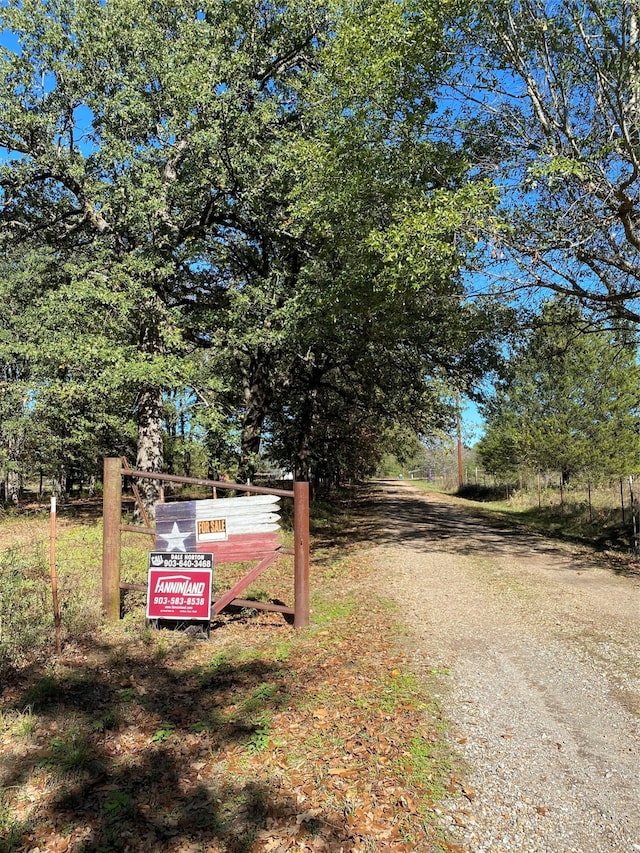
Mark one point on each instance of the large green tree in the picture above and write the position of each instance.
(384, 209)
(268, 184)
(140, 137)
(62, 406)
(570, 402)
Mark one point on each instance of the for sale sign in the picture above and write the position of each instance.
(179, 586)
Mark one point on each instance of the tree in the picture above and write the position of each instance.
(15, 372)
(384, 199)
(266, 185)
(552, 112)
(570, 402)
(139, 139)
(348, 307)
(61, 413)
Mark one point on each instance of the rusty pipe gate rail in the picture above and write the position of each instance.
(113, 529)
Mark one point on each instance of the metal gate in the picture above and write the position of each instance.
(115, 468)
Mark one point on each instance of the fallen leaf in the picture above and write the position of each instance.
(308, 815)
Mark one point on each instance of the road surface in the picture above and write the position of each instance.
(533, 647)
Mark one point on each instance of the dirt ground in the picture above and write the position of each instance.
(533, 647)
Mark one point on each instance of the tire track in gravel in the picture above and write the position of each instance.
(541, 646)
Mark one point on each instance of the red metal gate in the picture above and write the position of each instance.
(114, 470)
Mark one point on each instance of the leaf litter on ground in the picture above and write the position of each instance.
(261, 739)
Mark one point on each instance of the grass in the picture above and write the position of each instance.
(601, 527)
(21, 724)
(263, 738)
(69, 753)
(11, 829)
(594, 520)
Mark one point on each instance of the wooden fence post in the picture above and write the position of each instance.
(111, 517)
(301, 553)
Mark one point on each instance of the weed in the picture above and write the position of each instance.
(26, 620)
(118, 805)
(255, 702)
(400, 689)
(69, 754)
(282, 650)
(127, 694)
(45, 692)
(147, 634)
(117, 656)
(424, 765)
(25, 723)
(109, 721)
(258, 594)
(19, 723)
(133, 601)
(164, 733)
(11, 830)
(589, 516)
(436, 671)
(218, 669)
(259, 740)
(161, 650)
(326, 612)
(220, 663)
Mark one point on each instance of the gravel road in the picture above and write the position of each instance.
(533, 647)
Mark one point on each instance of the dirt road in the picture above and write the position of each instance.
(534, 649)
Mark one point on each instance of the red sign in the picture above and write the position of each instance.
(179, 586)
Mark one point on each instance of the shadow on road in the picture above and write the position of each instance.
(393, 514)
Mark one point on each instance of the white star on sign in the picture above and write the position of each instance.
(175, 539)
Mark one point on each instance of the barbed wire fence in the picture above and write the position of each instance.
(613, 503)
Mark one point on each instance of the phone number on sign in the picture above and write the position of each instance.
(179, 601)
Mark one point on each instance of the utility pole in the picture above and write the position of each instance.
(459, 441)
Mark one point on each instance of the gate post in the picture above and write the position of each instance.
(111, 519)
(301, 553)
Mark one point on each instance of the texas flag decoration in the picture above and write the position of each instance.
(233, 529)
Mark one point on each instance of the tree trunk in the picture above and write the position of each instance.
(150, 449)
(257, 393)
(303, 462)
(150, 411)
(59, 483)
(13, 481)
(13, 486)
